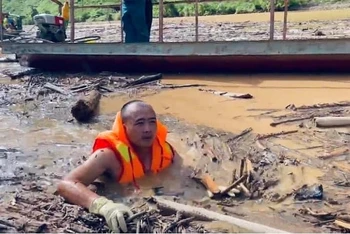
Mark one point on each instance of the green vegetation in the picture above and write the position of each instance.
(28, 8)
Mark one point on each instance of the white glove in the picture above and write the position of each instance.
(112, 212)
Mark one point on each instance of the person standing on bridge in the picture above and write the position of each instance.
(135, 24)
(65, 14)
(136, 145)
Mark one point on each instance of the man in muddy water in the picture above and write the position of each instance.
(135, 146)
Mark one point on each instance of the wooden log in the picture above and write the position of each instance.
(204, 214)
(144, 80)
(85, 108)
(332, 121)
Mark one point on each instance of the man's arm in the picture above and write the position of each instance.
(74, 186)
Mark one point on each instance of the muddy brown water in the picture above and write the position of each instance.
(48, 144)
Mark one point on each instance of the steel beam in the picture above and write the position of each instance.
(276, 47)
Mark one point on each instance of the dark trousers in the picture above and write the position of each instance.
(149, 14)
(134, 21)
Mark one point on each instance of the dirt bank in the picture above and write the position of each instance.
(41, 142)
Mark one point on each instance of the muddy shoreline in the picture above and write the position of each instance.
(47, 143)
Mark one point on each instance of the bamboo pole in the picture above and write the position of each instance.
(272, 19)
(286, 4)
(72, 20)
(161, 9)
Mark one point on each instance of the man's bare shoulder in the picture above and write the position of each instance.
(103, 155)
(99, 162)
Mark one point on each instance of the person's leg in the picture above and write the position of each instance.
(149, 14)
(138, 13)
(128, 28)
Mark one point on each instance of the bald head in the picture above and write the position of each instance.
(139, 120)
(130, 108)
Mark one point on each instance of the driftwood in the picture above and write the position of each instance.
(332, 121)
(234, 184)
(37, 212)
(261, 137)
(274, 124)
(84, 109)
(144, 80)
(8, 60)
(342, 224)
(318, 214)
(207, 215)
(244, 132)
(19, 74)
(319, 106)
(228, 94)
(55, 88)
(335, 153)
(171, 86)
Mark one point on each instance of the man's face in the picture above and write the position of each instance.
(141, 127)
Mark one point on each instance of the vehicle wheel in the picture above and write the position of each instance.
(59, 36)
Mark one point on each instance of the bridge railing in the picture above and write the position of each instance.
(161, 5)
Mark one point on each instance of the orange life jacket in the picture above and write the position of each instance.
(132, 167)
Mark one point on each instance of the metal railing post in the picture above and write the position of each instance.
(196, 19)
(286, 4)
(1, 20)
(121, 22)
(272, 19)
(72, 21)
(161, 9)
